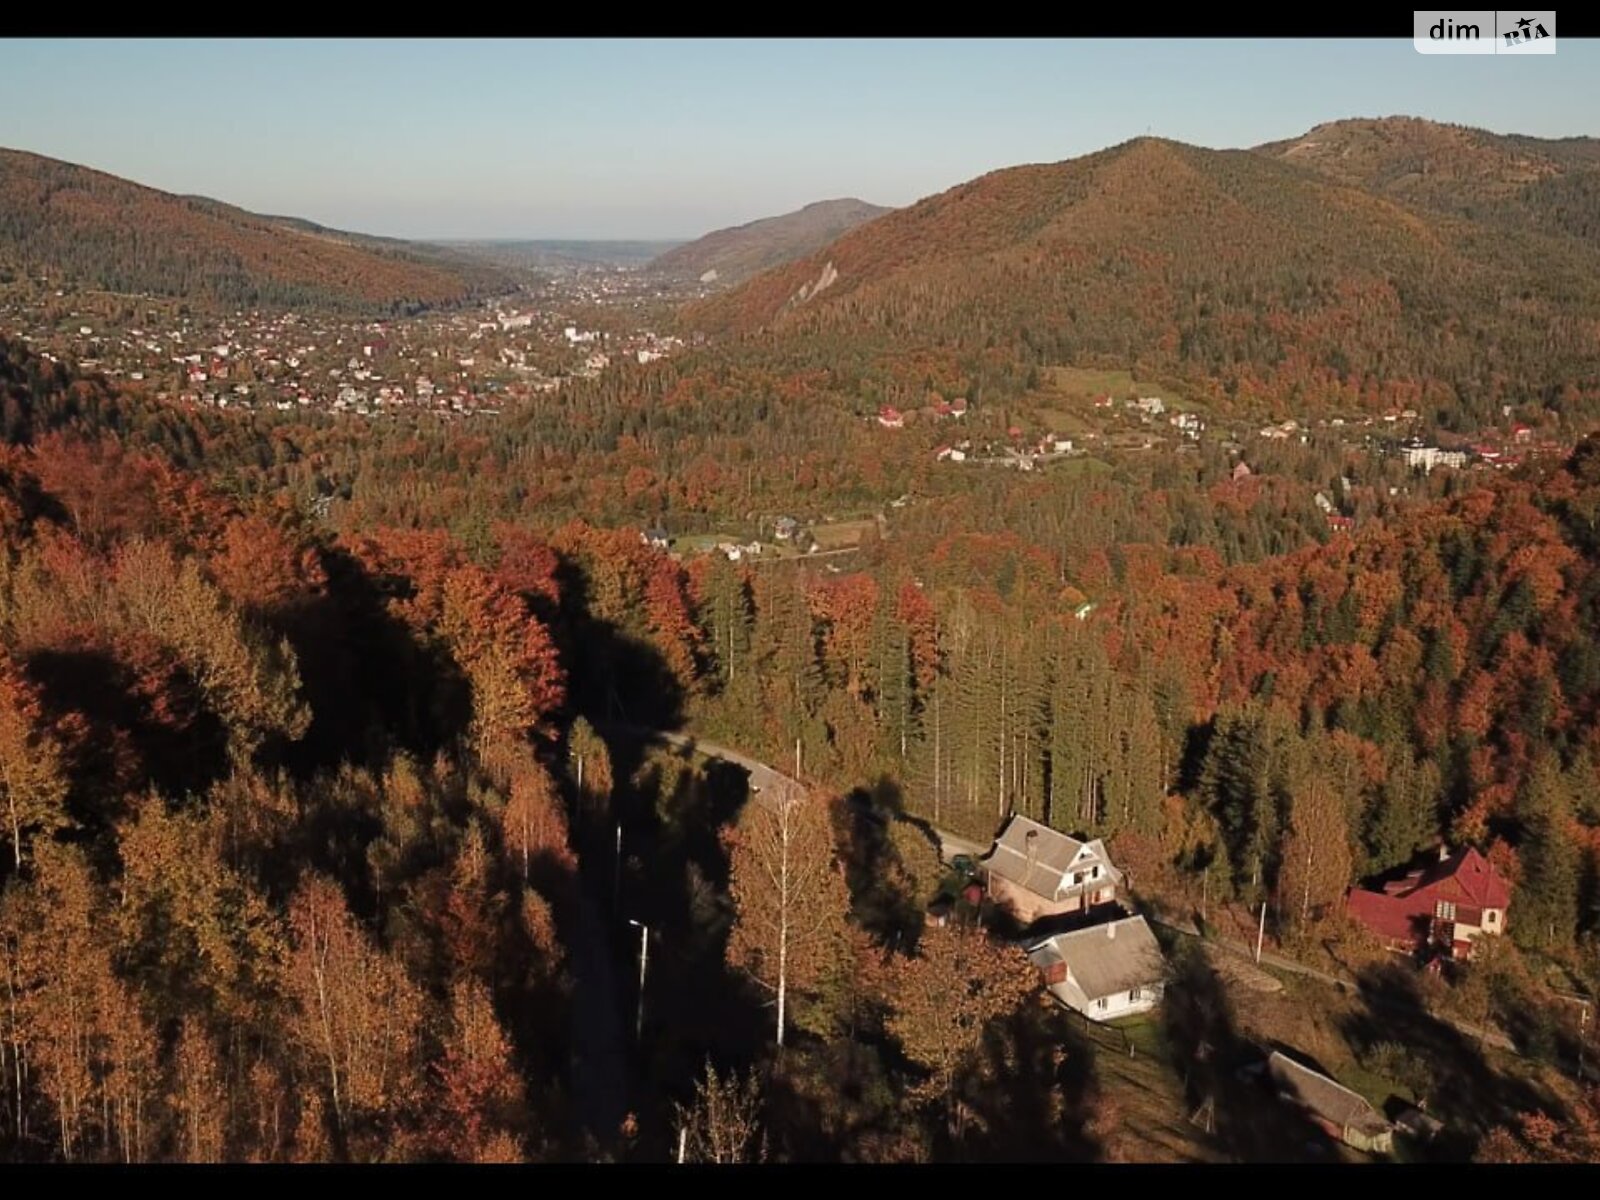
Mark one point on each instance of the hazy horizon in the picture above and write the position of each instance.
(454, 140)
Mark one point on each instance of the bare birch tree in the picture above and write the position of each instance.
(789, 894)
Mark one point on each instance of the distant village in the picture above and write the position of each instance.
(1146, 422)
(457, 363)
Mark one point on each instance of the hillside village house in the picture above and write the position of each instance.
(1105, 971)
(1035, 871)
(1445, 905)
(1338, 1111)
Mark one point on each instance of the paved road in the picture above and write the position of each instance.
(1268, 958)
(767, 782)
(599, 1036)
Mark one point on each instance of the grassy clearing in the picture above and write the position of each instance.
(700, 543)
(1088, 382)
(841, 534)
(1146, 1090)
(1060, 420)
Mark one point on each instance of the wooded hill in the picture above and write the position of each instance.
(1266, 284)
(80, 225)
(1510, 180)
(741, 251)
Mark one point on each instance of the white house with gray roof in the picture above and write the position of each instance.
(1105, 971)
(1036, 871)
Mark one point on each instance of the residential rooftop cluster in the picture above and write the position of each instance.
(464, 361)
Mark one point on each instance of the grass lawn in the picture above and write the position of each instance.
(841, 534)
(700, 543)
(1146, 1089)
(1090, 382)
(1087, 381)
(1060, 420)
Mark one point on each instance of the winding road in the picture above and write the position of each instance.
(599, 1036)
(767, 782)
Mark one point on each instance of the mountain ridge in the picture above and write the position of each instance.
(1228, 265)
(1514, 181)
(739, 251)
(98, 229)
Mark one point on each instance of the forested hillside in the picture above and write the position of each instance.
(291, 837)
(1267, 286)
(735, 254)
(71, 223)
(1516, 182)
(1434, 676)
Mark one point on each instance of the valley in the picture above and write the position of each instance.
(1099, 663)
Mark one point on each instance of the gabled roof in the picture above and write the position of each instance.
(1404, 910)
(1036, 856)
(1106, 959)
(1467, 878)
(1326, 1098)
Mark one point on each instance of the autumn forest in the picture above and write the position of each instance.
(361, 796)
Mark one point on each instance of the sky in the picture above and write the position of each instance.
(669, 139)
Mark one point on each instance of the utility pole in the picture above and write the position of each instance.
(644, 964)
(1583, 1029)
(797, 760)
(683, 1141)
(1261, 933)
(616, 874)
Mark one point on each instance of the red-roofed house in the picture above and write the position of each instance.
(890, 417)
(1444, 905)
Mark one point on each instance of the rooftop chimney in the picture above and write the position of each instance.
(1444, 852)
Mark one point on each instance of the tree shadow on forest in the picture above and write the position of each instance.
(129, 748)
(1467, 1093)
(1031, 1098)
(883, 898)
(373, 686)
(1225, 1085)
(612, 673)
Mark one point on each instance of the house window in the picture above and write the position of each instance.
(1077, 878)
(1133, 994)
(1100, 1003)
(1490, 917)
(1445, 911)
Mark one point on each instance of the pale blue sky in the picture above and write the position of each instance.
(671, 138)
